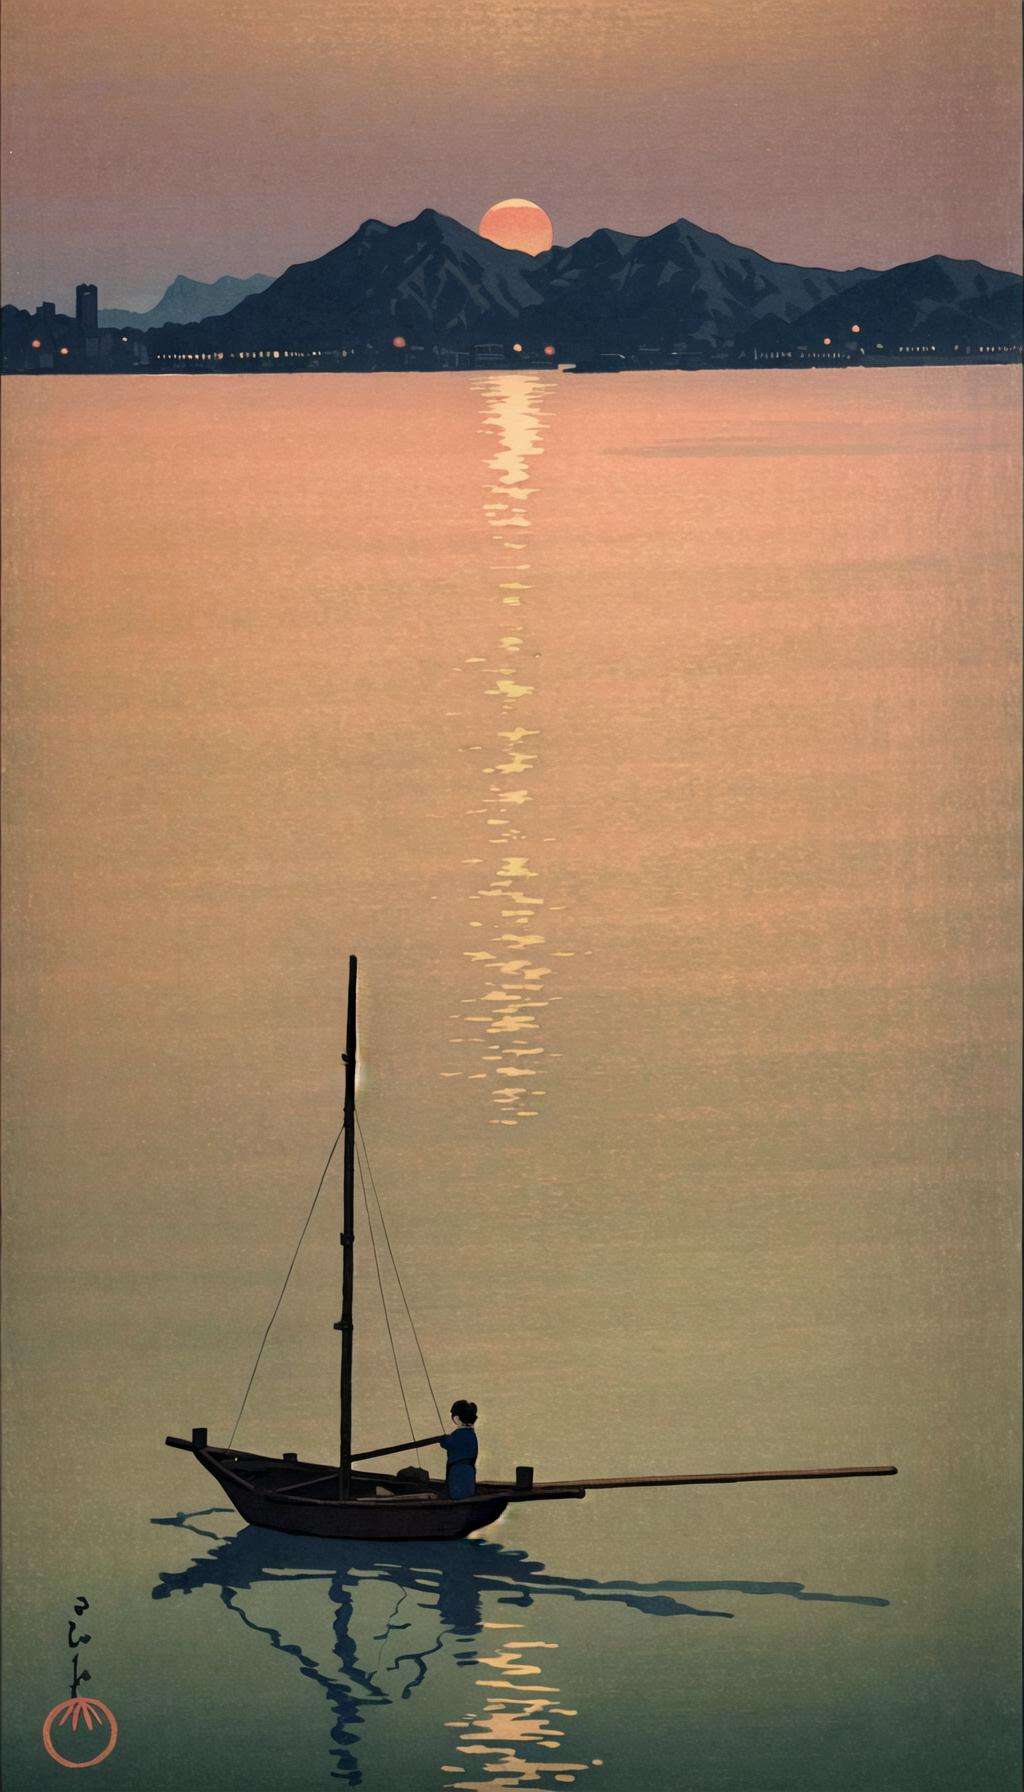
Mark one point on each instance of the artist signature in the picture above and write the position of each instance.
(91, 1713)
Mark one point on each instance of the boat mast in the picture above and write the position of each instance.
(348, 1239)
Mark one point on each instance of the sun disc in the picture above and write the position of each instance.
(518, 224)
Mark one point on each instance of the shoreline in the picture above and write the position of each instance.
(1008, 358)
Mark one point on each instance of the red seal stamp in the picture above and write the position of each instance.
(92, 1714)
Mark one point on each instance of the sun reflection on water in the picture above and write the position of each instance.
(505, 1016)
(519, 1717)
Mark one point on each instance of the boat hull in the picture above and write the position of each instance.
(384, 1507)
(374, 1520)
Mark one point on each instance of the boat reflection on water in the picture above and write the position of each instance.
(433, 1606)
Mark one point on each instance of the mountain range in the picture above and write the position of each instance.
(187, 301)
(441, 291)
(441, 286)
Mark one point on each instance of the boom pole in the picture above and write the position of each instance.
(757, 1474)
(348, 1239)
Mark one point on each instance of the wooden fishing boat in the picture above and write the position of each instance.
(315, 1499)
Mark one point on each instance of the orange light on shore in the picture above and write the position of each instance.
(549, 350)
(517, 348)
(65, 351)
(398, 342)
(855, 329)
(827, 340)
(36, 342)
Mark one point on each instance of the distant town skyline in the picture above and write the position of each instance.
(141, 143)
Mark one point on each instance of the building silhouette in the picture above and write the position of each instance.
(87, 307)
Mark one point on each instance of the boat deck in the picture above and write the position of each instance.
(289, 1479)
(319, 1480)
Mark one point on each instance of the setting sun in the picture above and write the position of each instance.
(518, 224)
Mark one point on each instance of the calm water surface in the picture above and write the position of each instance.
(653, 742)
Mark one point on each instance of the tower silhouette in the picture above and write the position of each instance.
(87, 307)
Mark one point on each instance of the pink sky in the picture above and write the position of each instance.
(233, 136)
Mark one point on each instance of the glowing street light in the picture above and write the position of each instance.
(398, 342)
(36, 342)
(550, 350)
(517, 348)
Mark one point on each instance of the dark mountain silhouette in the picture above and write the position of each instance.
(430, 280)
(998, 313)
(936, 301)
(440, 286)
(437, 283)
(187, 301)
(683, 287)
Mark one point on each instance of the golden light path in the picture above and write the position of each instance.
(515, 1723)
(518, 224)
(505, 1018)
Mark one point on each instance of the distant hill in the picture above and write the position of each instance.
(187, 301)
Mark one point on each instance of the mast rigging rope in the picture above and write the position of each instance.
(284, 1285)
(362, 1157)
(394, 1265)
(383, 1301)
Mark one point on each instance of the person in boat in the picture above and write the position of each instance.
(460, 1447)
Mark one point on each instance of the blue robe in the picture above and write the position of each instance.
(460, 1447)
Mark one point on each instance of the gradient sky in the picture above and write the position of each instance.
(205, 137)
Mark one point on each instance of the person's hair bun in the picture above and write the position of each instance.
(465, 1410)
